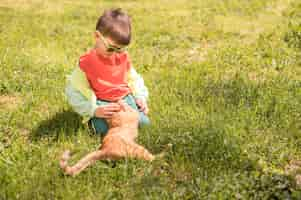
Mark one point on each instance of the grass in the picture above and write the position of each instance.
(225, 85)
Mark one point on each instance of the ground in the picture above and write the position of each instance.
(225, 90)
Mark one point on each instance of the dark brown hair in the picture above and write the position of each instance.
(115, 24)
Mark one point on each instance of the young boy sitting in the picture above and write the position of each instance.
(105, 75)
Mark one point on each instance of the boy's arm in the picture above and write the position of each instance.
(136, 83)
(80, 96)
(79, 102)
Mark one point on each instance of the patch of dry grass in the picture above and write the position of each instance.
(9, 102)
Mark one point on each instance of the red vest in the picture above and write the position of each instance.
(107, 75)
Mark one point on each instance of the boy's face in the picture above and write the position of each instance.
(106, 46)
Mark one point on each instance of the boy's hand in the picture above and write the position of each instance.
(106, 111)
(142, 105)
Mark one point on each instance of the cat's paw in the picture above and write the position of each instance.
(66, 155)
(64, 159)
(160, 155)
(167, 148)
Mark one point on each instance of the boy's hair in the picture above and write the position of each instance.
(115, 24)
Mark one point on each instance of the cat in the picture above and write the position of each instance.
(119, 142)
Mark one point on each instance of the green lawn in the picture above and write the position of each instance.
(225, 89)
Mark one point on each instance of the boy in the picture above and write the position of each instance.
(105, 75)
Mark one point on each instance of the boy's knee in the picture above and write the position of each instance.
(99, 126)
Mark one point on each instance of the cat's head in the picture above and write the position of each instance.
(127, 116)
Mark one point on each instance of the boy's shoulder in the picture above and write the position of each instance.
(87, 55)
(91, 59)
(87, 59)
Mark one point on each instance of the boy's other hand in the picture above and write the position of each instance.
(142, 105)
(106, 111)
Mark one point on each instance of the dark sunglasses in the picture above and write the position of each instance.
(111, 48)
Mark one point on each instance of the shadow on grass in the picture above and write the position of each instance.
(205, 147)
(66, 122)
(209, 161)
(208, 157)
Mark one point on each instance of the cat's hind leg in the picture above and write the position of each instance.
(135, 150)
(86, 161)
(64, 162)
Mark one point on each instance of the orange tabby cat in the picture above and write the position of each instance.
(117, 144)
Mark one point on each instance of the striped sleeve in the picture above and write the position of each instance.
(136, 83)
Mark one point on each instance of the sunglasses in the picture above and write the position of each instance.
(111, 48)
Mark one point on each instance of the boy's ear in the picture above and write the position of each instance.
(97, 34)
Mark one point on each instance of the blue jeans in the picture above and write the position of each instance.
(101, 126)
